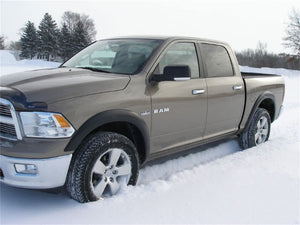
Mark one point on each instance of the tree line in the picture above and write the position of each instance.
(78, 30)
(260, 57)
(50, 42)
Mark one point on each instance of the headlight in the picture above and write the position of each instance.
(45, 125)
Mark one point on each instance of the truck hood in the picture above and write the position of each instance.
(52, 85)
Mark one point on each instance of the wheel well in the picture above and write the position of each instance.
(131, 132)
(268, 105)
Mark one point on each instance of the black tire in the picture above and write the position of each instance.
(258, 130)
(99, 163)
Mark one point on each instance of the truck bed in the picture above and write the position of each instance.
(256, 75)
(257, 85)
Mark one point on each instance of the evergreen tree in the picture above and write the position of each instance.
(1, 42)
(29, 41)
(80, 37)
(65, 43)
(48, 37)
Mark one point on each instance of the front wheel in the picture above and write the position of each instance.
(258, 131)
(101, 166)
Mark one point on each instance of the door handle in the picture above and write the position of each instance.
(236, 87)
(198, 92)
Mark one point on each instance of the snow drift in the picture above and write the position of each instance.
(8, 63)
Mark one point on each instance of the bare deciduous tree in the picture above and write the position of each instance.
(292, 39)
(15, 45)
(71, 19)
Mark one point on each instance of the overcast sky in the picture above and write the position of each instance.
(241, 23)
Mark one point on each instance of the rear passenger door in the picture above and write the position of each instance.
(225, 91)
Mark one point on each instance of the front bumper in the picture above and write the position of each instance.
(48, 173)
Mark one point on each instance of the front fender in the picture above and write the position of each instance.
(106, 117)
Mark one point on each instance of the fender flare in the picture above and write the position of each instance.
(106, 117)
(259, 100)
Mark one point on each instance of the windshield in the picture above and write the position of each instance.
(123, 56)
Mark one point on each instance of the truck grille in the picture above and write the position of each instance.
(9, 128)
(5, 111)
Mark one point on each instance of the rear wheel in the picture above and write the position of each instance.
(258, 131)
(101, 166)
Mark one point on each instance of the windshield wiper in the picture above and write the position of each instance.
(93, 69)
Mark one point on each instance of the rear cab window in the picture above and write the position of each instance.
(217, 61)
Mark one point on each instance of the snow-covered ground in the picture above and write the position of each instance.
(221, 185)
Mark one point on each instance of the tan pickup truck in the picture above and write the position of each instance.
(91, 123)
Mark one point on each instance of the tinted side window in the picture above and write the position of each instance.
(217, 60)
(180, 54)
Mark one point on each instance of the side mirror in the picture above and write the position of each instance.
(173, 73)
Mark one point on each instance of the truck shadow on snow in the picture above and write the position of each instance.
(163, 168)
(17, 199)
(22, 202)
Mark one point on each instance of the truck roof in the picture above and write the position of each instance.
(166, 38)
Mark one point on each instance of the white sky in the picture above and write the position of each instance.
(241, 23)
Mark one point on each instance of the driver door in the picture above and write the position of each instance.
(178, 107)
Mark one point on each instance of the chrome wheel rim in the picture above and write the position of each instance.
(110, 171)
(262, 130)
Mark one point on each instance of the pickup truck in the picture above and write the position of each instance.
(89, 125)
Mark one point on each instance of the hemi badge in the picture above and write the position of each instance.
(146, 113)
